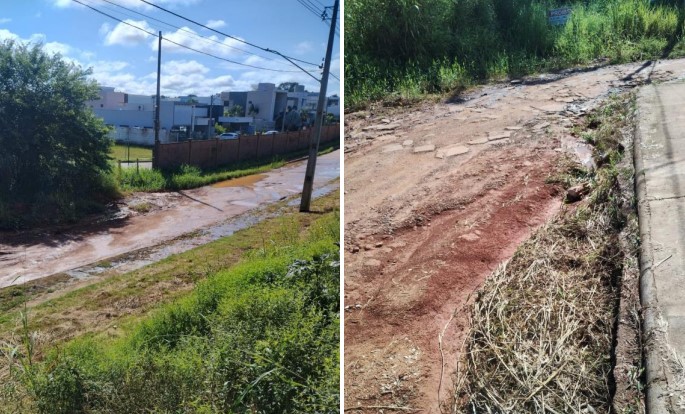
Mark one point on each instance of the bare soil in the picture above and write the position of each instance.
(436, 197)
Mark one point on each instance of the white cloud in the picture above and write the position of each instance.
(57, 47)
(125, 35)
(108, 66)
(184, 36)
(184, 67)
(131, 3)
(104, 29)
(34, 38)
(215, 24)
(303, 47)
(7, 35)
(199, 75)
(4, 20)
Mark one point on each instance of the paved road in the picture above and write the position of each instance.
(660, 174)
(27, 257)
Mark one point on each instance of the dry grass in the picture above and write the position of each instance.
(543, 326)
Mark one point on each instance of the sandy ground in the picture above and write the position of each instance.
(436, 197)
(149, 219)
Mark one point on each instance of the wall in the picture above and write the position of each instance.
(138, 136)
(213, 153)
(131, 118)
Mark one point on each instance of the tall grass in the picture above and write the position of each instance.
(187, 176)
(260, 337)
(396, 49)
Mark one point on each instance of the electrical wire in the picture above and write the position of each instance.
(184, 46)
(265, 49)
(186, 31)
(319, 13)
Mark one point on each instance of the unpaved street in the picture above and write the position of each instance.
(150, 219)
(436, 197)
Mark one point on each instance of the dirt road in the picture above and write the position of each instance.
(150, 219)
(436, 197)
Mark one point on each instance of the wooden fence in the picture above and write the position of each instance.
(215, 152)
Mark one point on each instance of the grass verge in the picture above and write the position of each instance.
(399, 51)
(544, 326)
(124, 152)
(186, 177)
(258, 331)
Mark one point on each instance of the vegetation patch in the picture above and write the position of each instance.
(544, 325)
(54, 159)
(120, 152)
(259, 332)
(187, 176)
(400, 50)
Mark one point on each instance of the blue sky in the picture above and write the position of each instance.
(126, 58)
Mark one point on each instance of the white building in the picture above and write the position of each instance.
(132, 116)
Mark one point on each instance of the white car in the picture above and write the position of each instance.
(272, 132)
(229, 135)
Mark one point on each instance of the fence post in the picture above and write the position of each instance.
(239, 139)
(259, 137)
(273, 141)
(119, 166)
(137, 167)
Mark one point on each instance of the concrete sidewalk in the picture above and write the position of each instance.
(660, 175)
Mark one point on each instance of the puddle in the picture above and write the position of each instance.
(581, 150)
(77, 250)
(247, 181)
(143, 257)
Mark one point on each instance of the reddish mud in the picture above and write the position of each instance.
(150, 220)
(436, 198)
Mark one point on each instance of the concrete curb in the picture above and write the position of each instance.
(657, 398)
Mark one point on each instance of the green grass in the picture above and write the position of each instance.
(186, 177)
(122, 152)
(401, 51)
(259, 332)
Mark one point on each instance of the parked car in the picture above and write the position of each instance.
(272, 132)
(229, 135)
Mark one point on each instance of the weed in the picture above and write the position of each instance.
(257, 334)
(400, 49)
(566, 278)
(142, 207)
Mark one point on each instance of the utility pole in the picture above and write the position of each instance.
(314, 141)
(157, 104)
(209, 121)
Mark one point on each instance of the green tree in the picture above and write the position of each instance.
(235, 110)
(54, 161)
(219, 129)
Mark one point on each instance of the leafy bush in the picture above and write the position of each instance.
(260, 337)
(54, 149)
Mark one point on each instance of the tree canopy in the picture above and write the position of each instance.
(53, 149)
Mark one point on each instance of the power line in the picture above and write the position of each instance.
(311, 9)
(319, 13)
(182, 45)
(265, 49)
(186, 31)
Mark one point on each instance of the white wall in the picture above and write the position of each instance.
(138, 136)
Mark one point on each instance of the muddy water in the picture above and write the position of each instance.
(247, 181)
(215, 211)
